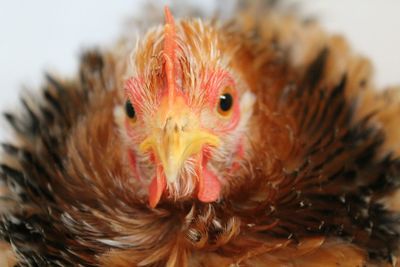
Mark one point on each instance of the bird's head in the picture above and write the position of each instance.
(186, 112)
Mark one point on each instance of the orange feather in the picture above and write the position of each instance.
(306, 176)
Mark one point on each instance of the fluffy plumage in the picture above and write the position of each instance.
(316, 184)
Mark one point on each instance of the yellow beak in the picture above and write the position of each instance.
(176, 137)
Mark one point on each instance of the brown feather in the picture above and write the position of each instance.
(323, 156)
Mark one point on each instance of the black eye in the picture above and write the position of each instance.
(129, 109)
(225, 103)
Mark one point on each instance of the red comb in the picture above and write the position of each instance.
(169, 53)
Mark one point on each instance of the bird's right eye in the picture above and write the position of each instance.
(130, 110)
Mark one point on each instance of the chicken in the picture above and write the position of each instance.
(259, 141)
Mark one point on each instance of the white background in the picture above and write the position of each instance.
(41, 35)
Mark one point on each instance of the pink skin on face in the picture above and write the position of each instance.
(209, 186)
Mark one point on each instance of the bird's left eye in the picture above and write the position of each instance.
(225, 103)
(130, 110)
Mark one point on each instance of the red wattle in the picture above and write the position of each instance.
(156, 188)
(209, 186)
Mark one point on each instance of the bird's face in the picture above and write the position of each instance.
(183, 116)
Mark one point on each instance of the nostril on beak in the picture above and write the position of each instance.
(172, 126)
(167, 123)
